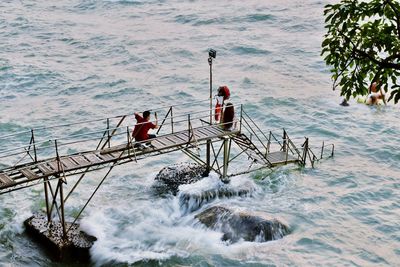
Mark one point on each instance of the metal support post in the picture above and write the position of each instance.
(284, 146)
(57, 157)
(269, 143)
(208, 161)
(189, 128)
(108, 141)
(305, 150)
(226, 160)
(34, 145)
(162, 123)
(54, 200)
(128, 140)
(108, 133)
(46, 195)
(172, 120)
(60, 184)
(241, 116)
(322, 149)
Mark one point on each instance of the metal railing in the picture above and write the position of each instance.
(264, 142)
(82, 136)
(286, 144)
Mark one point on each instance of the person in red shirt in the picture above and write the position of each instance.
(140, 133)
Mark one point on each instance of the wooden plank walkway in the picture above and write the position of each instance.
(281, 158)
(72, 164)
(272, 159)
(92, 160)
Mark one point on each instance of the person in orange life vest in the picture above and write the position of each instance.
(223, 94)
(228, 121)
(140, 133)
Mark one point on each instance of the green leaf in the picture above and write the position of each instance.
(397, 97)
(326, 42)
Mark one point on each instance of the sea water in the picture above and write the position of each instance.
(67, 61)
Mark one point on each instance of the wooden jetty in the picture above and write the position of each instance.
(32, 163)
(62, 166)
(55, 154)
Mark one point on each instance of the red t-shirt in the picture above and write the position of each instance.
(140, 132)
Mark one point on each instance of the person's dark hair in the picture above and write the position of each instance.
(229, 113)
(146, 114)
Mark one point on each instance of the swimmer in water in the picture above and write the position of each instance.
(374, 96)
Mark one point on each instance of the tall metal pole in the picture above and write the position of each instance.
(211, 54)
(210, 63)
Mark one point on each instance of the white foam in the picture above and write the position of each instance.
(193, 196)
(153, 229)
(152, 237)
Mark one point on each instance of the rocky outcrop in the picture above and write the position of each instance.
(74, 248)
(171, 177)
(242, 226)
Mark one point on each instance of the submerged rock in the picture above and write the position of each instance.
(171, 177)
(239, 225)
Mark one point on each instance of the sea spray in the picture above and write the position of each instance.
(193, 196)
(150, 231)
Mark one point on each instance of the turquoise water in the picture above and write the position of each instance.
(68, 61)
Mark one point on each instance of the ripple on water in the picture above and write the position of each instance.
(371, 257)
(257, 17)
(11, 127)
(347, 181)
(185, 19)
(205, 22)
(248, 50)
(129, 2)
(317, 245)
(366, 196)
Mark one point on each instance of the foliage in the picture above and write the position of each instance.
(362, 45)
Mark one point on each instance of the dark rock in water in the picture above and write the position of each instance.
(171, 177)
(74, 248)
(239, 225)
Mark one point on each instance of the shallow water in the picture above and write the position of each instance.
(68, 61)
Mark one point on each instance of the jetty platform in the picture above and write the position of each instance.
(61, 155)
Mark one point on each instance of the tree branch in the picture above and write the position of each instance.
(348, 62)
(397, 14)
(383, 64)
